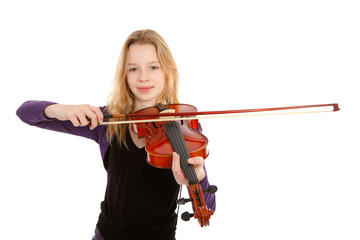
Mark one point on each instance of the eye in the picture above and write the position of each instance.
(132, 69)
(154, 67)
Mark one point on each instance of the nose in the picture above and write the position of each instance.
(143, 77)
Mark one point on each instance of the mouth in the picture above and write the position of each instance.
(145, 89)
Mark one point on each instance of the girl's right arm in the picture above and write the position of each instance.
(79, 115)
(72, 119)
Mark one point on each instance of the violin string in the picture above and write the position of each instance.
(184, 154)
(177, 140)
(188, 169)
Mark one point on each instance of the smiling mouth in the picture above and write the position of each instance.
(145, 89)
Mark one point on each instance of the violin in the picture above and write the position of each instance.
(175, 127)
(185, 138)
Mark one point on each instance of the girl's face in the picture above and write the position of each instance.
(145, 76)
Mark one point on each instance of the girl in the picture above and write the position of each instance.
(140, 200)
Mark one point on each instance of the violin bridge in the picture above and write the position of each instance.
(169, 110)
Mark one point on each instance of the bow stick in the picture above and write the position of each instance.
(240, 113)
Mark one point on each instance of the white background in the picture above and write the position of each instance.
(279, 177)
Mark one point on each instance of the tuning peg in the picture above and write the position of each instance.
(182, 201)
(186, 216)
(211, 189)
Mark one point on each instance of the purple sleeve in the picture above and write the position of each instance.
(209, 198)
(32, 113)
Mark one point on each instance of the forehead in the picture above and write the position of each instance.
(141, 53)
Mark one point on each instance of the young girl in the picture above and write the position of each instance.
(140, 200)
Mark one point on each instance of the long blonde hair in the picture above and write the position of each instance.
(121, 99)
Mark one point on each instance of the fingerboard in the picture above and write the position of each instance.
(177, 141)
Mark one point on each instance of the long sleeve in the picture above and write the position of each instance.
(32, 113)
(209, 198)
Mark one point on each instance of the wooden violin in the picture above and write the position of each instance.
(185, 138)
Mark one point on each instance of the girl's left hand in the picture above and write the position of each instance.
(179, 175)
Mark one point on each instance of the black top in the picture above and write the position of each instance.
(140, 200)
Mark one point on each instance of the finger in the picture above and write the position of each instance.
(196, 160)
(74, 120)
(96, 116)
(90, 114)
(176, 168)
(176, 162)
(99, 114)
(82, 119)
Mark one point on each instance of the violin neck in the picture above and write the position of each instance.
(177, 141)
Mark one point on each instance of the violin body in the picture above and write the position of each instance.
(158, 147)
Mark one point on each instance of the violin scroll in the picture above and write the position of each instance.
(201, 212)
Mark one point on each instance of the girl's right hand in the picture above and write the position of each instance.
(79, 115)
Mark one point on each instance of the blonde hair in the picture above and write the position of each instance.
(121, 99)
